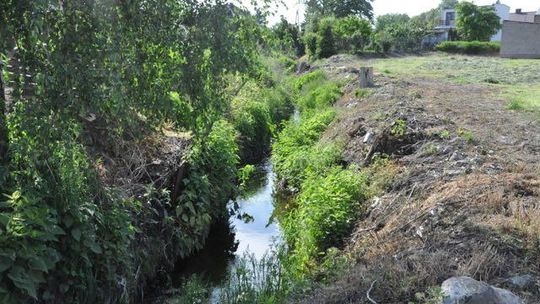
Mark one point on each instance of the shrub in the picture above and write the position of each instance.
(326, 45)
(320, 97)
(314, 78)
(288, 63)
(294, 151)
(352, 33)
(310, 40)
(328, 207)
(469, 47)
(252, 120)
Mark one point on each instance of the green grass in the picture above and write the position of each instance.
(517, 79)
(362, 93)
(523, 97)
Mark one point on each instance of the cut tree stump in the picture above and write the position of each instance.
(366, 77)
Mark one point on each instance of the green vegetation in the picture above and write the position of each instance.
(469, 47)
(256, 281)
(328, 198)
(467, 135)
(476, 23)
(90, 88)
(331, 35)
(328, 206)
(362, 93)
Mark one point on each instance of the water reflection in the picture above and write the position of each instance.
(236, 237)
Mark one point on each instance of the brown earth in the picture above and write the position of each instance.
(466, 200)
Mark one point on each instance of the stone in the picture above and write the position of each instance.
(522, 282)
(465, 290)
(302, 67)
(368, 138)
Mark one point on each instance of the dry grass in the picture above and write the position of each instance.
(466, 208)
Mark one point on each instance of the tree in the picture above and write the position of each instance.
(338, 8)
(446, 4)
(431, 18)
(288, 36)
(352, 33)
(385, 21)
(476, 23)
(326, 45)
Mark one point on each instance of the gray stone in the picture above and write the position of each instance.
(523, 281)
(465, 290)
(302, 67)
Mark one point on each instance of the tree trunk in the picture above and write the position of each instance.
(3, 126)
(366, 77)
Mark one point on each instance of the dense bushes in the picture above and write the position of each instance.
(88, 81)
(328, 207)
(405, 37)
(331, 35)
(469, 47)
(329, 197)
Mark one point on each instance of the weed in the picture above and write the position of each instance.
(317, 76)
(515, 105)
(362, 93)
(431, 149)
(399, 127)
(379, 115)
(254, 281)
(445, 134)
(433, 295)
(193, 291)
(466, 134)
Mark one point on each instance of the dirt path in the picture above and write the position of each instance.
(466, 200)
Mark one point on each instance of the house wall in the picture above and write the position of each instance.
(520, 40)
(503, 11)
(522, 17)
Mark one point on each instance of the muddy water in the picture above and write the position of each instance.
(228, 241)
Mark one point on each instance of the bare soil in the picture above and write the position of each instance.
(466, 200)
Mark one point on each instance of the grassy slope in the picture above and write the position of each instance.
(516, 80)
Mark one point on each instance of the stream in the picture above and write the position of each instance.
(229, 241)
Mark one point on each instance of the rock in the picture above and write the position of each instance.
(368, 138)
(522, 282)
(457, 156)
(465, 290)
(302, 67)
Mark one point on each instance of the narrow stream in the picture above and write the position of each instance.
(229, 241)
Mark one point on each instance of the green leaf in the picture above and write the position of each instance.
(37, 263)
(5, 263)
(21, 278)
(56, 230)
(76, 234)
(4, 219)
(93, 246)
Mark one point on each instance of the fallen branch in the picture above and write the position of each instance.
(369, 290)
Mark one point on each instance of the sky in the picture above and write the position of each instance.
(410, 7)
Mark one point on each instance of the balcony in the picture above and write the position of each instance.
(450, 23)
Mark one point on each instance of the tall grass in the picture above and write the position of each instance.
(254, 281)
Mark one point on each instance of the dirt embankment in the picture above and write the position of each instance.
(466, 200)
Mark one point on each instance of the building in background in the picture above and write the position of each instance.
(446, 30)
(521, 35)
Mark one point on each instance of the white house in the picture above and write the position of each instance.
(503, 11)
(446, 30)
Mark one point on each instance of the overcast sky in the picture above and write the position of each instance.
(410, 7)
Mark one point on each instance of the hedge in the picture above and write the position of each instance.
(469, 47)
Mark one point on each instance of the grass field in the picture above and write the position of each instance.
(516, 80)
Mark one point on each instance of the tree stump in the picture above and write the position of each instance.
(366, 77)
